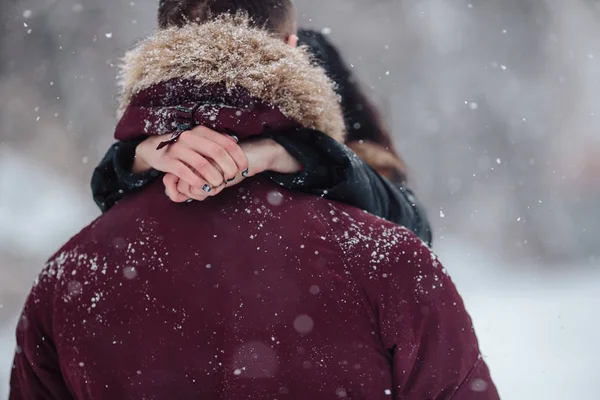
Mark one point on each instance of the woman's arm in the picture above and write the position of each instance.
(113, 177)
(329, 169)
(203, 158)
(332, 170)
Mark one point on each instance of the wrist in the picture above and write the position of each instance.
(139, 165)
(275, 155)
(268, 155)
(281, 161)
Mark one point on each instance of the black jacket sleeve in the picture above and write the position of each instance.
(332, 170)
(329, 169)
(112, 178)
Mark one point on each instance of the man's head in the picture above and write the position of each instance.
(276, 16)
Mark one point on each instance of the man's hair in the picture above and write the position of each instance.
(276, 16)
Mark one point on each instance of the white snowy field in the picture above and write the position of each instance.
(539, 330)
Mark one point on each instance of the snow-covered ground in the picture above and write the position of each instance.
(7, 345)
(38, 209)
(539, 330)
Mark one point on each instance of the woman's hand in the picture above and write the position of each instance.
(262, 154)
(202, 158)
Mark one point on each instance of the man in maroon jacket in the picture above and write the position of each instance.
(258, 293)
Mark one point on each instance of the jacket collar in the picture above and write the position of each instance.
(230, 52)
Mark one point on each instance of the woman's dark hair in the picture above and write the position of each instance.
(363, 121)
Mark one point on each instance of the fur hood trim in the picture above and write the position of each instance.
(230, 51)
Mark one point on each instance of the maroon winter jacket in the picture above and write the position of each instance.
(258, 293)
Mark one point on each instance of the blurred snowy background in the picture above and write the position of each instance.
(495, 104)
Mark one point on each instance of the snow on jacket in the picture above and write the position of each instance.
(259, 293)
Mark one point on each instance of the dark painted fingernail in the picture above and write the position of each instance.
(206, 188)
(189, 200)
(245, 173)
(231, 180)
(237, 139)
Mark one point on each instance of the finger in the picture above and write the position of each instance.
(228, 143)
(231, 144)
(215, 153)
(193, 168)
(171, 181)
(184, 188)
(200, 195)
(186, 192)
(193, 193)
(196, 164)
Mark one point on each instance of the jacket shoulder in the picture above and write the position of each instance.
(376, 245)
(421, 316)
(71, 253)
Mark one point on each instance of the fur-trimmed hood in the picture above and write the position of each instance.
(229, 51)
